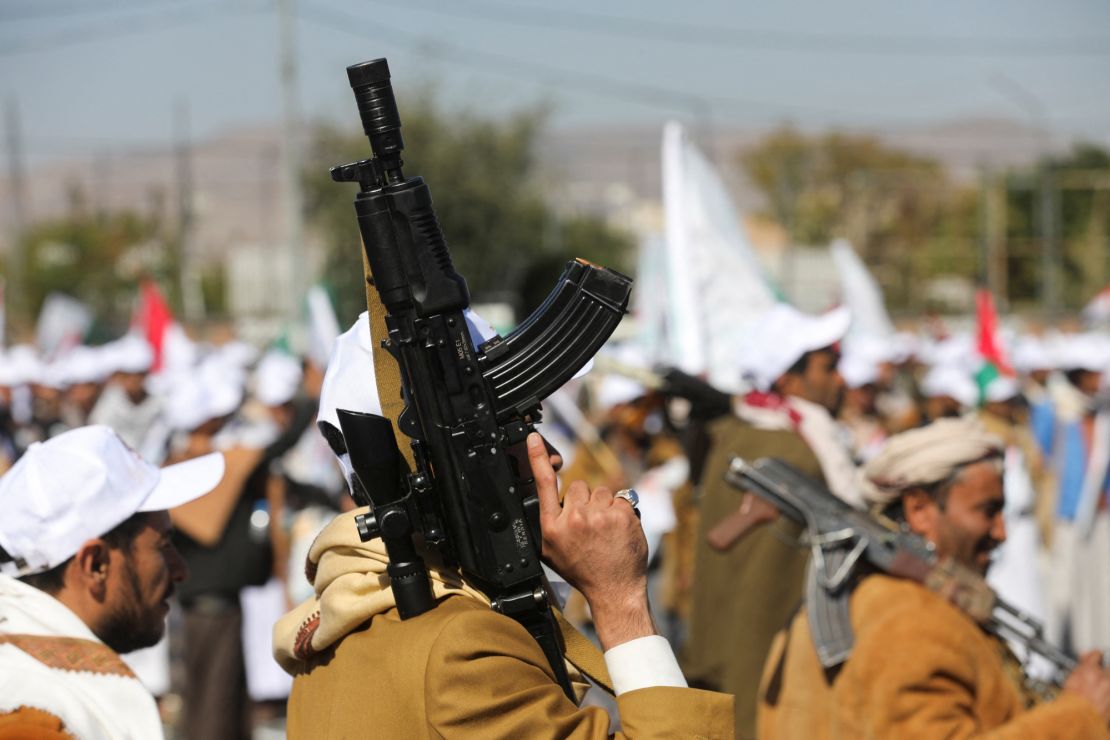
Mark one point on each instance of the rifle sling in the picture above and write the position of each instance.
(579, 651)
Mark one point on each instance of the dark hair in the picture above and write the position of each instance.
(1075, 375)
(119, 537)
(802, 363)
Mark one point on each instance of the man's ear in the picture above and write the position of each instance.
(90, 568)
(920, 510)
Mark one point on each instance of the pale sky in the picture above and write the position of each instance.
(89, 76)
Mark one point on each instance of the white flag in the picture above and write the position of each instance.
(62, 324)
(861, 294)
(715, 285)
(323, 326)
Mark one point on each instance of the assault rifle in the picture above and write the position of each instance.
(847, 543)
(467, 410)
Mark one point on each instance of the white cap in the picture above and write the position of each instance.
(131, 354)
(951, 381)
(82, 484)
(1030, 353)
(956, 351)
(1002, 388)
(613, 389)
(350, 382)
(858, 368)
(277, 378)
(210, 391)
(21, 365)
(84, 364)
(782, 336)
(238, 353)
(1087, 351)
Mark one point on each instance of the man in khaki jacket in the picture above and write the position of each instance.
(920, 667)
(748, 578)
(462, 670)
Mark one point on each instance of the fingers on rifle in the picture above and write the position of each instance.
(547, 485)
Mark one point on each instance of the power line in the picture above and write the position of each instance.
(650, 95)
(116, 28)
(759, 39)
(42, 10)
(699, 105)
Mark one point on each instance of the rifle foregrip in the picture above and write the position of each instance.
(557, 340)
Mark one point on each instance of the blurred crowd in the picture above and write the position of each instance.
(245, 544)
(617, 426)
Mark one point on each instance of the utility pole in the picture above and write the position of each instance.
(993, 259)
(192, 298)
(296, 257)
(17, 203)
(1050, 297)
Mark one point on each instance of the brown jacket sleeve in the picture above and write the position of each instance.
(473, 691)
(926, 678)
(27, 723)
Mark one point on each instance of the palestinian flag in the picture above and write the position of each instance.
(995, 363)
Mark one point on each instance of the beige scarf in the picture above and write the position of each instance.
(351, 586)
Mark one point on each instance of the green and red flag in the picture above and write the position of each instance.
(989, 343)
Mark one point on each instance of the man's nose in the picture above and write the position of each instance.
(998, 528)
(179, 571)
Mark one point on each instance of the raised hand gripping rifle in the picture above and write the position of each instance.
(470, 493)
(847, 543)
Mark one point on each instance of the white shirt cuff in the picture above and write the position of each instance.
(643, 663)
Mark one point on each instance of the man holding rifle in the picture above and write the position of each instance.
(921, 667)
(462, 669)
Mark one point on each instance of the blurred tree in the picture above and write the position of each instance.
(97, 257)
(484, 183)
(1080, 207)
(889, 204)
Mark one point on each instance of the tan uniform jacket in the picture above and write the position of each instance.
(743, 597)
(463, 671)
(920, 669)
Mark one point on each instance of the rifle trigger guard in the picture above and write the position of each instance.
(830, 540)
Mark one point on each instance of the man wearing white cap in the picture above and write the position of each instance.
(461, 669)
(124, 405)
(86, 568)
(748, 579)
(1079, 457)
(921, 667)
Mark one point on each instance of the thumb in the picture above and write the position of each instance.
(547, 485)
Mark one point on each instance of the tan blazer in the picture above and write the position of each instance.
(920, 669)
(463, 671)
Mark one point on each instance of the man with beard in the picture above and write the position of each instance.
(921, 667)
(86, 568)
(749, 566)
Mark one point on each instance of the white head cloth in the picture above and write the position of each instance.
(927, 455)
